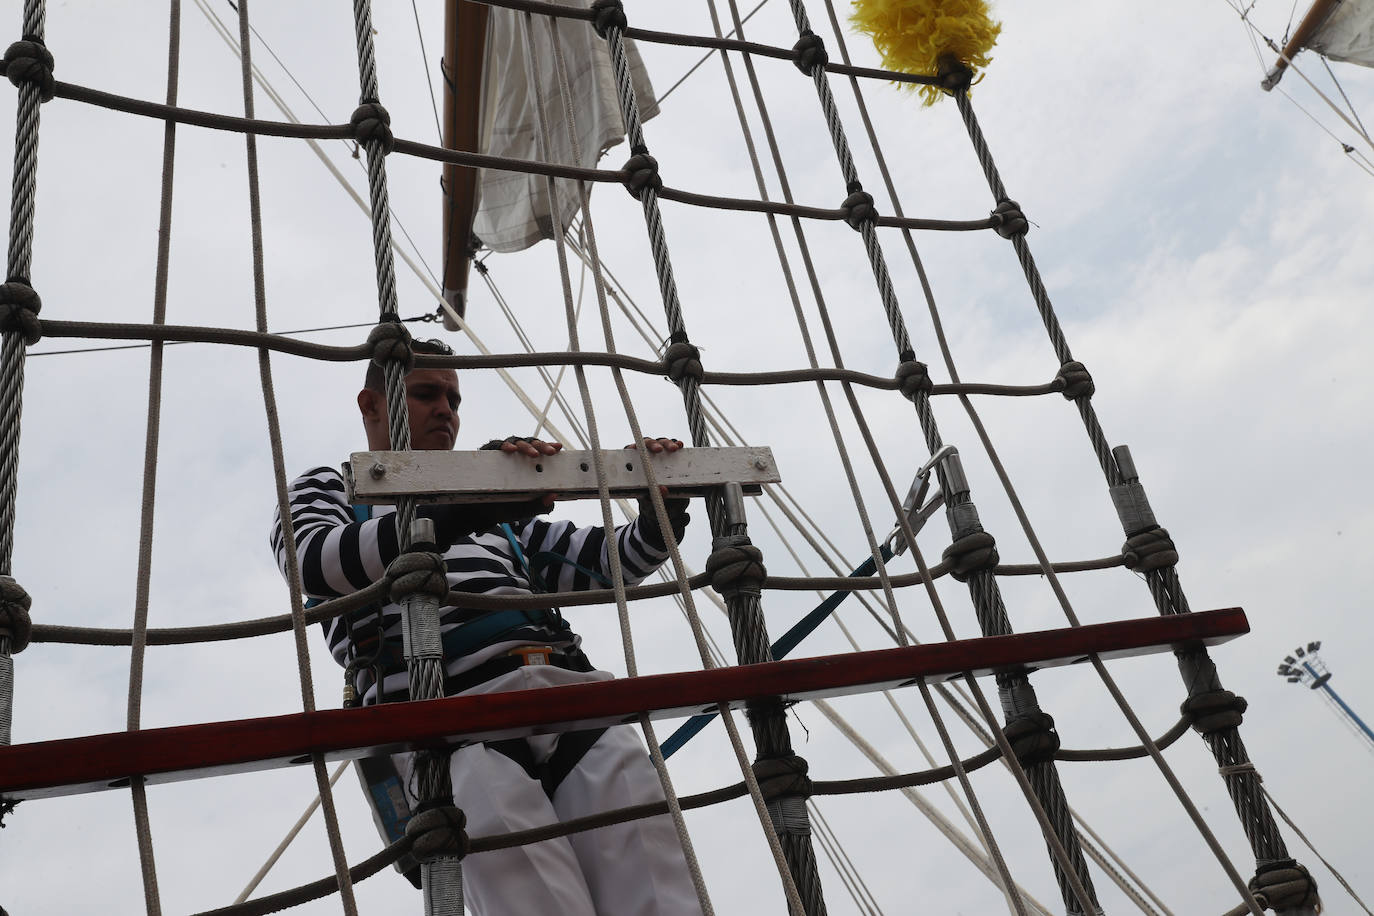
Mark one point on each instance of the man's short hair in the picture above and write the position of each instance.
(376, 378)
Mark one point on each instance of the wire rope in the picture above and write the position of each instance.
(617, 572)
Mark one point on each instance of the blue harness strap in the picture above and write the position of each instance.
(784, 645)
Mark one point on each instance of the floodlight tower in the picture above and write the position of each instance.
(1305, 666)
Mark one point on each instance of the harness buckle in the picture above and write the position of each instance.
(533, 655)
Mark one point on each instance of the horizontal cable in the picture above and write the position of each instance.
(395, 851)
(1126, 753)
(263, 128)
(93, 330)
(262, 626)
(706, 41)
(106, 330)
(296, 896)
(834, 215)
(214, 632)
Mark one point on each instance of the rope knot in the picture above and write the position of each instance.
(913, 378)
(1077, 382)
(735, 564)
(438, 831)
(858, 209)
(641, 172)
(1011, 222)
(955, 75)
(1214, 711)
(417, 573)
(19, 307)
(14, 614)
(809, 53)
(780, 777)
(970, 554)
(682, 360)
(30, 61)
(390, 341)
(1285, 885)
(1032, 737)
(607, 15)
(371, 123)
(1148, 550)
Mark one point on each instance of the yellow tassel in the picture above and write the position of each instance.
(911, 35)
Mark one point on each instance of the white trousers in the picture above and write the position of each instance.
(632, 869)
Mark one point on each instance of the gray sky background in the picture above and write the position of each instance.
(1206, 247)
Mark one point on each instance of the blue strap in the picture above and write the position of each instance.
(361, 513)
(785, 644)
(546, 558)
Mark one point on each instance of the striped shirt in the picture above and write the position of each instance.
(338, 555)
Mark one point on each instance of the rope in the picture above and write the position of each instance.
(838, 437)
(291, 835)
(18, 262)
(335, 607)
(138, 642)
(603, 491)
(296, 896)
(440, 870)
(1329, 867)
(332, 353)
(325, 785)
(801, 880)
(558, 11)
(300, 131)
(16, 335)
(1064, 863)
(1228, 749)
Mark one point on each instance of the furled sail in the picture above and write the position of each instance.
(1348, 33)
(1339, 29)
(510, 211)
(514, 210)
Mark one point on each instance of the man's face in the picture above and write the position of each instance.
(432, 400)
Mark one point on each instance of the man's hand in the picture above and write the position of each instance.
(533, 448)
(530, 448)
(676, 508)
(659, 446)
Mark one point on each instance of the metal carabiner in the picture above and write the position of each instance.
(914, 507)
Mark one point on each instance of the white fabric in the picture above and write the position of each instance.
(631, 869)
(513, 209)
(1348, 33)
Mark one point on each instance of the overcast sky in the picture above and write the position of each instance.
(1207, 248)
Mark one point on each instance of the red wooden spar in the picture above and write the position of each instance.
(69, 766)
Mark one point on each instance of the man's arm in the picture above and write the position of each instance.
(337, 555)
(640, 543)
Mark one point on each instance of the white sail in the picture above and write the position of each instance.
(514, 209)
(1348, 33)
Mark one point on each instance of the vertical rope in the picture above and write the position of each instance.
(13, 346)
(23, 194)
(441, 876)
(744, 609)
(142, 826)
(1067, 858)
(298, 624)
(593, 431)
(1242, 781)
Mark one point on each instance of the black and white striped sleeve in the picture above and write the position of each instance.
(336, 554)
(586, 547)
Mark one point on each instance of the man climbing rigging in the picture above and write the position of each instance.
(503, 548)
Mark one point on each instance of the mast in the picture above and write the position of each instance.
(465, 36)
(1316, 17)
